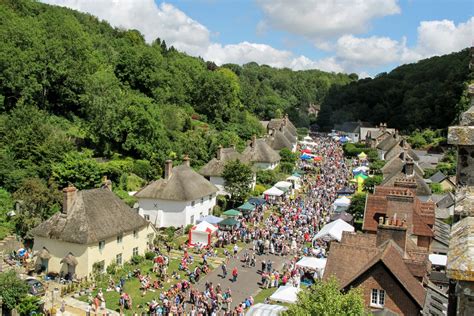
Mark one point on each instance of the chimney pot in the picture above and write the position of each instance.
(254, 141)
(69, 194)
(186, 161)
(106, 183)
(168, 169)
(219, 152)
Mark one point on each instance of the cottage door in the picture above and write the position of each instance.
(44, 265)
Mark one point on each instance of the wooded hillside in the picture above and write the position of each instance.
(428, 94)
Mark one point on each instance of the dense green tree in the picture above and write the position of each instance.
(13, 289)
(38, 202)
(357, 206)
(29, 305)
(238, 180)
(78, 169)
(325, 299)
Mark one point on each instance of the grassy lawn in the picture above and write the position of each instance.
(263, 294)
(132, 285)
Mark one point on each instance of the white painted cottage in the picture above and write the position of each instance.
(215, 167)
(261, 155)
(179, 199)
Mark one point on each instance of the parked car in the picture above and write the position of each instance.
(36, 288)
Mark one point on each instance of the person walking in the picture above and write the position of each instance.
(235, 273)
(224, 270)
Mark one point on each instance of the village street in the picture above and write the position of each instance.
(248, 280)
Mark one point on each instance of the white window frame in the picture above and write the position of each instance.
(119, 259)
(135, 251)
(377, 298)
(147, 217)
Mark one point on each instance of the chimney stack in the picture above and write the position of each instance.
(106, 183)
(254, 141)
(219, 152)
(186, 161)
(392, 229)
(285, 120)
(168, 169)
(69, 194)
(409, 166)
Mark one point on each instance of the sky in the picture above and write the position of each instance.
(362, 36)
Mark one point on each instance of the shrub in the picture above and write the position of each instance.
(149, 255)
(259, 189)
(188, 228)
(112, 268)
(137, 259)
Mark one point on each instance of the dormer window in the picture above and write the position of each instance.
(119, 238)
(192, 203)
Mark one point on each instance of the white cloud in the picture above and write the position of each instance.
(152, 20)
(322, 19)
(442, 37)
(373, 51)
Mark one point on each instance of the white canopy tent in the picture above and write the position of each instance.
(312, 263)
(261, 309)
(283, 185)
(308, 138)
(333, 230)
(438, 260)
(293, 178)
(286, 294)
(273, 191)
(342, 201)
(201, 233)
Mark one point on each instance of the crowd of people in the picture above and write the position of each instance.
(286, 232)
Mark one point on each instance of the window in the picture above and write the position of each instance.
(119, 238)
(192, 219)
(202, 200)
(101, 245)
(210, 197)
(147, 217)
(378, 298)
(135, 234)
(135, 251)
(118, 259)
(192, 203)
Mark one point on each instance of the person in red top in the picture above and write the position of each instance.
(235, 273)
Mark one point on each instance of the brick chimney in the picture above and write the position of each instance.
(409, 167)
(106, 183)
(393, 229)
(69, 194)
(168, 169)
(186, 161)
(219, 152)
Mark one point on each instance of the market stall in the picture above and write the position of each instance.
(333, 230)
(201, 234)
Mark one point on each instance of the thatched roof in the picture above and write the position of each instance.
(43, 254)
(94, 215)
(184, 184)
(289, 135)
(260, 151)
(422, 189)
(215, 167)
(70, 259)
(277, 124)
(387, 143)
(278, 141)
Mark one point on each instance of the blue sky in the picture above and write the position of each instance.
(362, 36)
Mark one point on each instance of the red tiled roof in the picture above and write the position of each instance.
(392, 259)
(423, 213)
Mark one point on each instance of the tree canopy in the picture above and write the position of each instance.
(325, 299)
(238, 180)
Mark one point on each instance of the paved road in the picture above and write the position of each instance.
(248, 279)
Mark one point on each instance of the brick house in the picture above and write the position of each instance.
(388, 267)
(401, 203)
